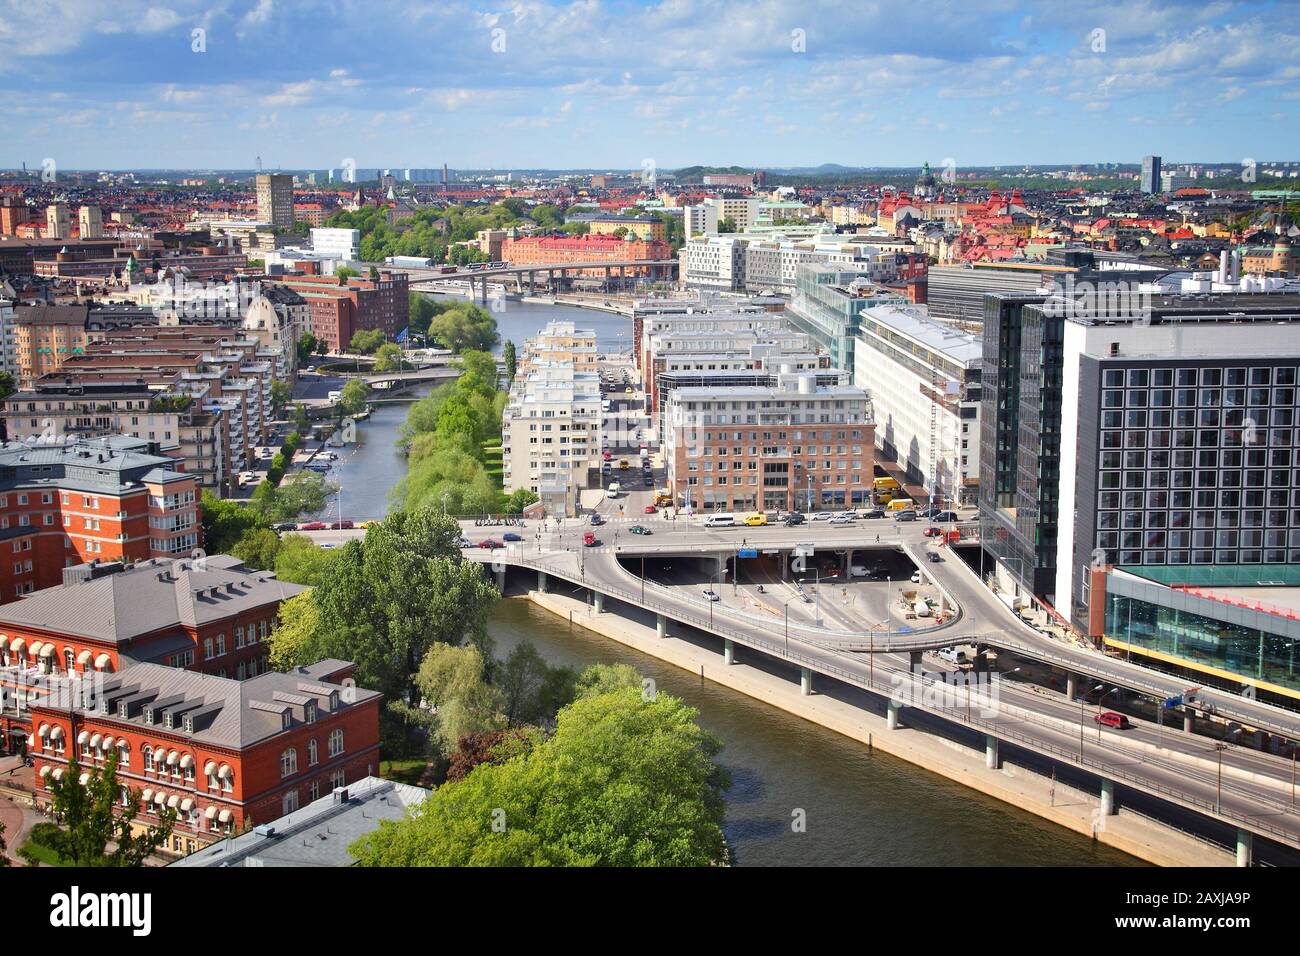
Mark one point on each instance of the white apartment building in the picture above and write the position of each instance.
(924, 379)
(558, 344)
(771, 264)
(8, 338)
(550, 432)
(337, 243)
(715, 263)
(702, 219)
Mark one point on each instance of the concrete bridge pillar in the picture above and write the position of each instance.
(891, 715)
(990, 751)
(501, 580)
(1108, 798)
(981, 659)
(661, 625)
(1189, 719)
(1070, 688)
(914, 661)
(541, 581)
(598, 601)
(805, 681)
(728, 652)
(1245, 847)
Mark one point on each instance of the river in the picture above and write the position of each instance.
(860, 809)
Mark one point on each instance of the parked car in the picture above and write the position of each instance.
(464, 542)
(793, 519)
(491, 544)
(639, 529)
(312, 526)
(756, 520)
(344, 525)
(952, 655)
(905, 516)
(711, 595)
(874, 513)
(512, 536)
(820, 516)
(843, 518)
(1111, 719)
(285, 526)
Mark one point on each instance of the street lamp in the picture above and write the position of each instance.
(1082, 713)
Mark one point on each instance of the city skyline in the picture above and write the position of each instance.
(550, 86)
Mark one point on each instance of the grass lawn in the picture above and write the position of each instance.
(39, 851)
(403, 771)
(492, 463)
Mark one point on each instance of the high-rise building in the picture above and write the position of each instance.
(1151, 174)
(275, 199)
(58, 223)
(90, 222)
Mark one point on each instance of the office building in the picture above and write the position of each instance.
(924, 380)
(827, 302)
(342, 244)
(90, 223)
(1150, 178)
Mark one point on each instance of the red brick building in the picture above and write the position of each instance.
(222, 753)
(552, 250)
(209, 614)
(342, 307)
(75, 501)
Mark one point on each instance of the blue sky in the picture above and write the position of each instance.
(611, 84)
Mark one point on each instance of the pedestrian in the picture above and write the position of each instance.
(877, 539)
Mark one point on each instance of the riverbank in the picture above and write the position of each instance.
(1015, 786)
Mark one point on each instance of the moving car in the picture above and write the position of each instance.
(952, 655)
(791, 520)
(821, 516)
(312, 526)
(589, 540)
(512, 536)
(944, 517)
(285, 526)
(720, 521)
(905, 516)
(651, 509)
(639, 529)
(597, 519)
(843, 518)
(343, 525)
(756, 520)
(491, 544)
(874, 513)
(711, 595)
(464, 542)
(916, 577)
(1111, 719)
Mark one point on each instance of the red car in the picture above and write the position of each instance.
(341, 525)
(490, 543)
(932, 532)
(605, 455)
(1111, 719)
(651, 509)
(589, 540)
(312, 526)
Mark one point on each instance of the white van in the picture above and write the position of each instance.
(952, 655)
(720, 521)
(613, 490)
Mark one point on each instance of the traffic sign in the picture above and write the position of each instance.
(747, 552)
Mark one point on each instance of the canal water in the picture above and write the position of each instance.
(859, 809)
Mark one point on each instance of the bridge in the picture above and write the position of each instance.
(425, 280)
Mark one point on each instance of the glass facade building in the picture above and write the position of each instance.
(827, 304)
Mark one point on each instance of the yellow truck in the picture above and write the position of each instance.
(900, 504)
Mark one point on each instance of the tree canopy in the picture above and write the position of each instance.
(624, 780)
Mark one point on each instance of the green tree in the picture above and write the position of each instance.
(295, 632)
(388, 357)
(306, 345)
(301, 561)
(280, 395)
(726, 224)
(92, 817)
(345, 273)
(453, 682)
(257, 547)
(301, 420)
(519, 499)
(421, 312)
(466, 326)
(510, 359)
(7, 386)
(225, 522)
(531, 690)
(607, 678)
(366, 341)
(623, 781)
(352, 401)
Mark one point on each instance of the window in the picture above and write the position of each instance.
(289, 802)
(288, 763)
(147, 753)
(311, 752)
(336, 742)
(338, 779)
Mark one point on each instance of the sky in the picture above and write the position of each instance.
(621, 85)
